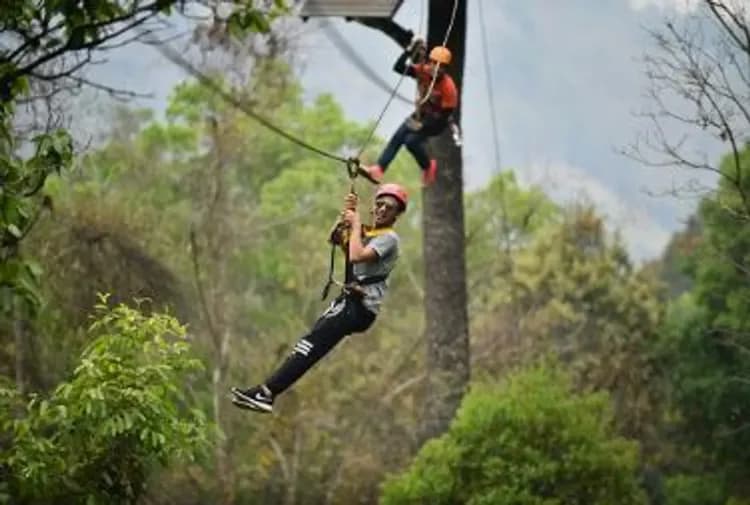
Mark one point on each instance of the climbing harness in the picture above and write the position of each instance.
(456, 133)
(351, 285)
(340, 236)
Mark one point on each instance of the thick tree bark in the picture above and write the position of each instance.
(447, 326)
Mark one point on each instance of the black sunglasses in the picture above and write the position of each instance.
(388, 205)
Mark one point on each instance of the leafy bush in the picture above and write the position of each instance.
(123, 413)
(695, 490)
(529, 441)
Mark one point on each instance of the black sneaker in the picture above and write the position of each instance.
(257, 398)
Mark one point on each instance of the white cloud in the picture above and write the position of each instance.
(681, 6)
(644, 237)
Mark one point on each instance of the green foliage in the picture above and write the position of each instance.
(531, 441)
(501, 218)
(572, 291)
(39, 34)
(247, 17)
(45, 31)
(704, 489)
(706, 347)
(20, 204)
(671, 266)
(261, 208)
(97, 437)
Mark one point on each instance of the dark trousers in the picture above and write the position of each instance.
(414, 142)
(345, 315)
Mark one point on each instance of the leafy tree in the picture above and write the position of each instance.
(20, 183)
(97, 437)
(572, 291)
(55, 41)
(530, 440)
(21, 204)
(157, 179)
(47, 46)
(696, 490)
(707, 343)
(502, 219)
(670, 267)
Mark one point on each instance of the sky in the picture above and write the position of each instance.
(567, 77)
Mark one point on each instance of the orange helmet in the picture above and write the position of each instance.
(441, 54)
(396, 191)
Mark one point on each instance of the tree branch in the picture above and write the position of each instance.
(199, 285)
(69, 47)
(715, 7)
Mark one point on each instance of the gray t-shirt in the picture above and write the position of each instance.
(386, 245)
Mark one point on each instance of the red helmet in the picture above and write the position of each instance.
(396, 191)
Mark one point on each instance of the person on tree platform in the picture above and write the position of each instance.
(372, 254)
(435, 106)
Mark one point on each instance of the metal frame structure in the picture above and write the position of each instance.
(350, 8)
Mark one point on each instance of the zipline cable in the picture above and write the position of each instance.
(490, 87)
(181, 62)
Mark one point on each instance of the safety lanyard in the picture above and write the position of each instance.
(367, 232)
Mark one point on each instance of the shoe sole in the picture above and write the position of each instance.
(246, 406)
(249, 403)
(364, 173)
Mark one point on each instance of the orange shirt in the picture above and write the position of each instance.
(444, 93)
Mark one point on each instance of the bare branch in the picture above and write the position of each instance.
(711, 77)
(719, 10)
(396, 391)
(116, 93)
(65, 73)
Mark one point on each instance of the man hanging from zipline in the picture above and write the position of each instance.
(371, 255)
(436, 102)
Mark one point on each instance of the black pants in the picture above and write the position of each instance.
(345, 315)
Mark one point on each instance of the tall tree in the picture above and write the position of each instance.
(445, 300)
(707, 347)
(699, 79)
(529, 440)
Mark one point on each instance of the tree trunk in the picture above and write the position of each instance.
(20, 344)
(214, 299)
(447, 325)
(224, 473)
(447, 322)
